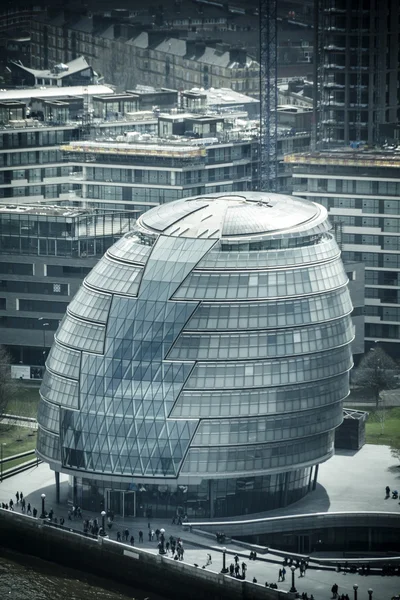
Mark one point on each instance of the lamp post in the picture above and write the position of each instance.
(43, 515)
(103, 525)
(355, 588)
(1, 461)
(224, 569)
(293, 588)
(370, 591)
(44, 338)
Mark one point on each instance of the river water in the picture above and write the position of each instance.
(25, 577)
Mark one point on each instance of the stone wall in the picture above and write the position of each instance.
(126, 564)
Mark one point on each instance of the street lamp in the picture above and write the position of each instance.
(370, 591)
(43, 515)
(44, 338)
(293, 588)
(103, 525)
(224, 569)
(1, 461)
(355, 588)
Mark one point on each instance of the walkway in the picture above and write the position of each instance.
(355, 481)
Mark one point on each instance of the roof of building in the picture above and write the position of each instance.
(249, 214)
(349, 157)
(59, 71)
(54, 92)
(221, 96)
(36, 209)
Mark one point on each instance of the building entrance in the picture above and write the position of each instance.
(121, 503)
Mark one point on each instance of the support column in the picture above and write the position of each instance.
(309, 479)
(314, 485)
(57, 476)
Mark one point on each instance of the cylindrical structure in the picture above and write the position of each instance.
(201, 367)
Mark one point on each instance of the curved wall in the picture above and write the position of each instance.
(195, 353)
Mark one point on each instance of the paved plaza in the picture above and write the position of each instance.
(349, 481)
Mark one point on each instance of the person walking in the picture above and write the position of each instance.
(280, 575)
(283, 573)
(11, 504)
(34, 512)
(334, 590)
(208, 561)
(132, 540)
(28, 510)
(118, 536)
(126, 533)
(141, 537)
(17, 496)
(244, 569)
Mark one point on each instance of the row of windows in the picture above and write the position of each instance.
(64, 361)
(191, 346)
(36, 157)
(90, 305)
(256, 458)
(348, 186)
(245, 402)
(49, 416)
(385, 242)
(111, 276)
(267, 429)
(48, 444)
(262, 315)
(81, 334)
(267, 373)
(34, 287)
(262, 284)
(372, 259)
(59, 389)
(250, 257)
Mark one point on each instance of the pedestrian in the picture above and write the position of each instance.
(28, 511)
(236, 559)
(21, 496)
(17, 496)
(158, 534)
(237, 569)
(283, 573)
(141, 537)
(34, 512)
(167, 546)
(208, 561)
(231, 569)
(51, 512)
(11, 504)
(334, 590)
(244, 569)
(62, 520)
(150, 535)
(118, 536)
(254, 580)
(173, 520)
(387, 491)
(132, 540)
(23, 504)
(280, 575)
(126, 533)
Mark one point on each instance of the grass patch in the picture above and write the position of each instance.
(16, 440)
(25, 403)
(17, 462)
(386, 434)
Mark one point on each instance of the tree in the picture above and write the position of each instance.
(376, 372)
(8, 386)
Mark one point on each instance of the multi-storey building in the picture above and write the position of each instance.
(358, 66)
(361, 190)
(45, 252)
(202, 365)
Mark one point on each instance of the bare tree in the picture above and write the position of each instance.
(376, 372)
(8, 386)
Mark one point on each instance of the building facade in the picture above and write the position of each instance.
(201, 367)
(361, 191)
(45, 252)
(358, 70)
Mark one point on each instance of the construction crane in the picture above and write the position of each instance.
(268, 169)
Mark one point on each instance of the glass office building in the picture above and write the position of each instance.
(201, 367)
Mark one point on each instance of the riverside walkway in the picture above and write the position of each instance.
(352, 481)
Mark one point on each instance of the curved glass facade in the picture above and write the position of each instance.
(202, 365)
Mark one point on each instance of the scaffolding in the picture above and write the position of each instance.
(268, 169)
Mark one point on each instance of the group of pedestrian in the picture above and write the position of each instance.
(74, 513)
(236, 569)
(20, 500)
(282, 574)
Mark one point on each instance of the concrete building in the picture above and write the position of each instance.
(76, 72)
(201, 367)
(361, 191)
(45, 252)
(359, 73)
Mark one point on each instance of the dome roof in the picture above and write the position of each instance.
(236, 215)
